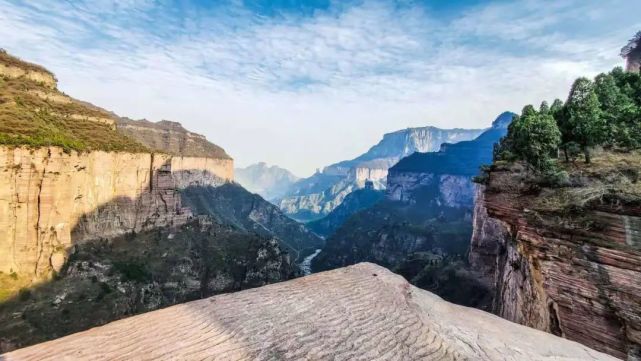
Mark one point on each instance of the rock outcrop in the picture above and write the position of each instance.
(362, 312)
(566, 260)
(312, 198)
(11, 67)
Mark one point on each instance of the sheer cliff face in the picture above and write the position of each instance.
(51, 199)
(568, 260)
(342, 178)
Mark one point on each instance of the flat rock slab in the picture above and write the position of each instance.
(362, 312)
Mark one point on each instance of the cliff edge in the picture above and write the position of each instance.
(363, 312)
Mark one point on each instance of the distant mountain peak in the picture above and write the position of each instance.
(270, 182)
(503, 120)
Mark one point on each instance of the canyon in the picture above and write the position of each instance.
(422, 227)
(314, 197)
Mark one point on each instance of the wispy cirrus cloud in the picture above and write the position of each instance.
(304, 86)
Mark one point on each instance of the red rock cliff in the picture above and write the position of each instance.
(568, 269)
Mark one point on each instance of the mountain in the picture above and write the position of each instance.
(271, 182)
(232, 204)
(423, 226)
(97, 221)
(354, 202)
(314, 197)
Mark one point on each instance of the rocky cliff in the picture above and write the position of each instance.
(316, 196)
(449, 170)
(566, 259)
(362, 312)
(271, 182)
(52, 199)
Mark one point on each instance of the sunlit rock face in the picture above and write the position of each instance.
(52, 199)
(363, 312)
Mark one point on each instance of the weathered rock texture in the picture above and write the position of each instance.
(51, 199)
(362, 312)
(567, 261)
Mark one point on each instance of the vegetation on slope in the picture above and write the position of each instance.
(103, 281)
(32, 114)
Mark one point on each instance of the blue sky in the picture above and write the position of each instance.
(303, 84)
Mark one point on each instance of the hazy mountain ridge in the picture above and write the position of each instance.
(271, 182)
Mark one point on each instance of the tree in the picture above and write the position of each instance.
(618, 111)
(585, 123)
(536, 138)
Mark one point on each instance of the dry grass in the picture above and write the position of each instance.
(9, 60)
(27, 119)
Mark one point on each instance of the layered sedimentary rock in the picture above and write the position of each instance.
(565, 260)
(52, 199)
(362, 312)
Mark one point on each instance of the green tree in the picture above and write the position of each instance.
(585, 123)
(536, 138)
(619, 112)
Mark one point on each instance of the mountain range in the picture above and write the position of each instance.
(314, 197)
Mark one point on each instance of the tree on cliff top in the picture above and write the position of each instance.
(585, 121)
(536, 137)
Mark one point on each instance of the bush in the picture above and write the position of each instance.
(24, 294)
(132, 271)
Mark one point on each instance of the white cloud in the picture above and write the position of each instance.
(305, 91)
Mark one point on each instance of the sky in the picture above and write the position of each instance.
(303, 84)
